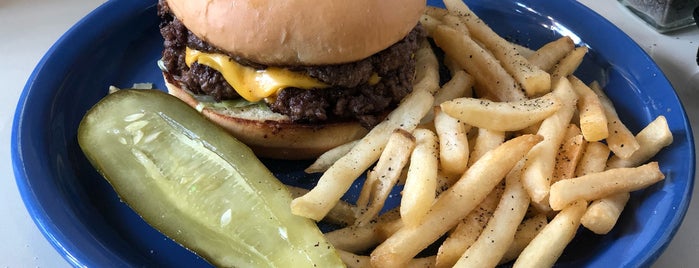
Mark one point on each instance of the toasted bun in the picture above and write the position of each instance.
(299, 32)
(271, 134)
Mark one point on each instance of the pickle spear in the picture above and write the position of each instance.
(196, 184)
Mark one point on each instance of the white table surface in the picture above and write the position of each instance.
(29, 27)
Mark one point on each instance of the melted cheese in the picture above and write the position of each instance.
(252, 84)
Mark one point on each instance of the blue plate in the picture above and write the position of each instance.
(119, 44)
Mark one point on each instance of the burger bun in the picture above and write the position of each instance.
(299, 32)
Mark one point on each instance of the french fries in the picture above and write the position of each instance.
(526, 231)
(651, 140)
(534, 81)
(468, 229)
(522, 50)
(381, 179)
(485, 141)
(453, 142)
(421, 182)
(547, 246)
(538, 170)
(495, 240)
(597, 185)
(341, 214)
(430, 23)
(426, 74)
(502, 116)
(436, 12)
(567, 159)
(460, 85)
(455, 23)
(492, 81)
(603, 213)
(620, 139)
(568, 64)
(473, 186)
(548, 55)
(512, 140)
(593, 121)
(358, 239)
(354, 238)
(324, 161)
(594, 159)
(339, 177)
(358, 261)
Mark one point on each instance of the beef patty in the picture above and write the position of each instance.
(350, 97)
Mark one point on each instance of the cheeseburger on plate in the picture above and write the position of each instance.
(291, 78)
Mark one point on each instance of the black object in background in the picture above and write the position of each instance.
(696, 20)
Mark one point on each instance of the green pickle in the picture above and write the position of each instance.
(198, 185)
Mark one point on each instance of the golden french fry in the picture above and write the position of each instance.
(426, 71)
(540, 161)
(655, 136)
(381, 179)
(453, 142)
(602, 214)
(547, 246)
(598, 185)
(430, 23)
(436, 12)
(522, 50)
(593, 121)
(341, 214)
(386, 229)
(424, 262)
(534, 81)
(567, 159)
(497, 71)
(526, 231)
(571, 132)
(594, 159)
(620, 140)
(495, 240)
(444, 181)
(551, 53)
(460, 85)
(468, 192)
(455, 23)
(568, 64)
(492, 79)
(353, 260)
(324, 161)
(339, 177)
(359, 261)
(354, 238)
(454, 67)
(421, 182)
(533, 129)
(485, 141)
(468, 229)
(502, 116)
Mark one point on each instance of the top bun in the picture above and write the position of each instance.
(299, 32)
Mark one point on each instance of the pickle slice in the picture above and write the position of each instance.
(196, 184)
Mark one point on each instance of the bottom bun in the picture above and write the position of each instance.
(273, 135)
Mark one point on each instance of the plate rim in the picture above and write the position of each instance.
(109, 12)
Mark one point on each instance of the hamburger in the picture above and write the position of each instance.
(293, 78)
